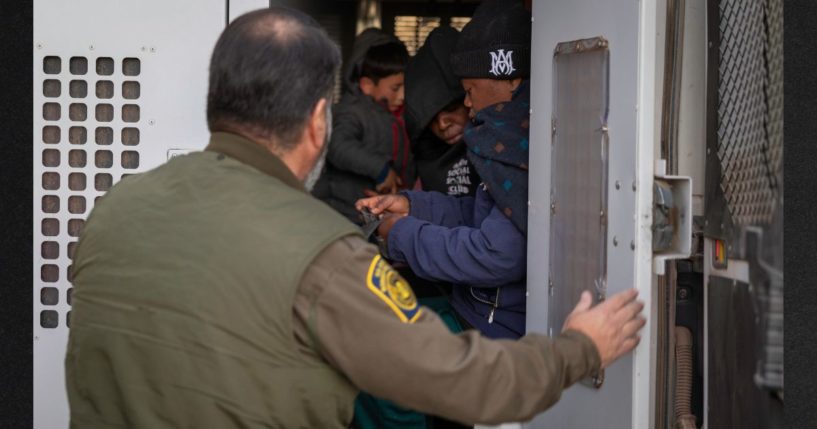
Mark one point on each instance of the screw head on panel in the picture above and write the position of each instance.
(615, 241)
(91, 47)
(151, 122)
(634, 187)
(39, 45)
(152, 49)
(618, 185)
(632, 245)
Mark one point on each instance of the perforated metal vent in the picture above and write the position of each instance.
(774, 84)
(413, 30)
(750, 143)
(88, 139)
(459, 22)
(770, 368)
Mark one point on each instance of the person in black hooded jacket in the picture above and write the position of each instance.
(436, 118)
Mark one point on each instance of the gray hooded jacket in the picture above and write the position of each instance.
(365, 137)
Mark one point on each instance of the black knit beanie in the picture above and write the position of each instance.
(495, 44)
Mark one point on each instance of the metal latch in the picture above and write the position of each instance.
(672, 217)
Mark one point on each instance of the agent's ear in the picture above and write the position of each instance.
(317, 124)
(367, 85)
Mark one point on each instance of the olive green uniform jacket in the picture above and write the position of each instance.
(213, 291)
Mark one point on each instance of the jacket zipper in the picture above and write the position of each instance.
(494, 305)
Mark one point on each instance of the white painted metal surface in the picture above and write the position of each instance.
(504, 426)
(171, 41)
(625, 399)
(692, 113)
(650, 52)
(240, 7)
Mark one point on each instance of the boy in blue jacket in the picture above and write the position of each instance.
(478, 243)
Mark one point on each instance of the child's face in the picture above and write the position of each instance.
(387, 91)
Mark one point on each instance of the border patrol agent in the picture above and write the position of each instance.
(215, 292)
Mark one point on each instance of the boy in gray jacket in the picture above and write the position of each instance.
(370, 149)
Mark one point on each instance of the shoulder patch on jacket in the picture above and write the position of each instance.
(388, 285)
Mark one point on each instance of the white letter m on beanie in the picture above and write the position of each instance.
(501, 63)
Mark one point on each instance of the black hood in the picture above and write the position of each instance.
(368, 38)
(430, 82)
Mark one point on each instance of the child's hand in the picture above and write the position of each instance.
(390, 183)
(389, 219)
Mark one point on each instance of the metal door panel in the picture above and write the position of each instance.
(624, 399)
(117, 85)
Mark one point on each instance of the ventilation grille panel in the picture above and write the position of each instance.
(750, 144)
(413, 30)
(88, 138)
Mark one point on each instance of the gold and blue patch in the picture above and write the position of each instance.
(387, 284)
